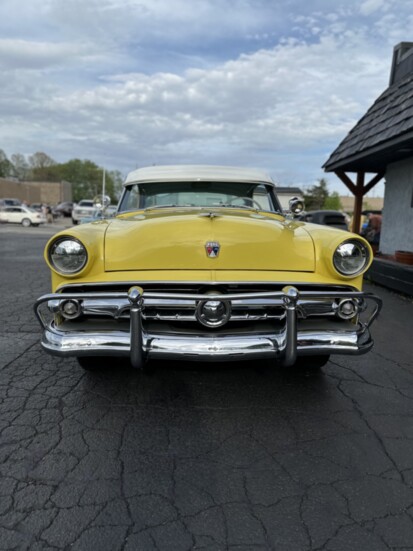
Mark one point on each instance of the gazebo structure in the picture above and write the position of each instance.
(381, 146)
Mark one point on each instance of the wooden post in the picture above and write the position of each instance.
(358, 202)
(358, 190)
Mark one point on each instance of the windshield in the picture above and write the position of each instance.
(199, 194)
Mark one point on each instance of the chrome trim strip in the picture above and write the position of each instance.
(175, 283)
(216, 296)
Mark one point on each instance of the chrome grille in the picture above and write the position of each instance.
(177, 303)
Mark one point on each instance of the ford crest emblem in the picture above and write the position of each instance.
(212, 249)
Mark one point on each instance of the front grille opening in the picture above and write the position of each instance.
(180, 313)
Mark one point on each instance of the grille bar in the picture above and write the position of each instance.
(270, 305)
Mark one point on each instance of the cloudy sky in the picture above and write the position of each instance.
(259, 83)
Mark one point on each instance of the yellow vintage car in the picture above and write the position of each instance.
(201, 263)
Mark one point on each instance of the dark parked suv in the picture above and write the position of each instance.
(63, 209)
(333, 218)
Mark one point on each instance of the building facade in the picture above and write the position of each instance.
(397, 226)
(50, 193)
(381, 143)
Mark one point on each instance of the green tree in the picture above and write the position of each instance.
(116, 177)
(316, 195)
(86, 178)
(319, 198)
(6, 167)
(43, 168)
(40, 160)
(21, 166)
(332, 202)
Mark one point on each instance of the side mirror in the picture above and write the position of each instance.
(296, 205)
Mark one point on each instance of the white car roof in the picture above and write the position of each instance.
(208, 173)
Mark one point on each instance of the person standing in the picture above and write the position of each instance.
(373, 231)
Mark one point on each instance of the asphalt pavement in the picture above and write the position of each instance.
(238, 456)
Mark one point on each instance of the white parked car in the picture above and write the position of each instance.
(99, 214)
(85, 207)
(20, 214)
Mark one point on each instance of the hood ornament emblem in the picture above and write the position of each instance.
(209, 214)
(212, 249)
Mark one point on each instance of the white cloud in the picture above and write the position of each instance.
(242, 82)
(18, 54)
(370, 6)
(280, 97)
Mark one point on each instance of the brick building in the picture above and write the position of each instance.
(50, 193)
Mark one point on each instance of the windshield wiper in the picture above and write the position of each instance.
(153, 207)
(229, 206)
(221, 205)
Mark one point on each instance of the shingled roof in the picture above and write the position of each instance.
(385, 133)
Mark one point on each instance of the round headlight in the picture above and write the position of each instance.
(67, 255)
(351, 257)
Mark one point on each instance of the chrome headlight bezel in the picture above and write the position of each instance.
(356, 263)
(75, 251)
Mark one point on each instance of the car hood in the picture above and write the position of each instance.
(176, 240)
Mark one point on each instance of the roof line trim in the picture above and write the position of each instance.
(340, 164)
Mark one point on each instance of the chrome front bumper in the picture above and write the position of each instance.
(295, 337)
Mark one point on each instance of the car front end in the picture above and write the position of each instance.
(204, 277)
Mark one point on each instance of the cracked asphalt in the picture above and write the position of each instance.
(242, 457)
